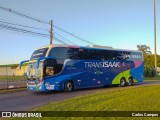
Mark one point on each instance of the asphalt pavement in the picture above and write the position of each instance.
(27, 100)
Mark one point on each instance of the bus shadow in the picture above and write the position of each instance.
(46, 92)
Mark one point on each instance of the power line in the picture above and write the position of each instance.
(3, 26)
(41, 21)
(65, 38)
(22, 30)
(22, 15)
(72, 34)
(15, 24)
(60, 40)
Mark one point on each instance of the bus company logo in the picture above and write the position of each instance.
(134, 56)
(101, 64)
(125, 56)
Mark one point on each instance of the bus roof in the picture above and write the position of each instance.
(89, 47)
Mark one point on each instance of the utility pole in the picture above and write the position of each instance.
(155, 49)
(51, 33)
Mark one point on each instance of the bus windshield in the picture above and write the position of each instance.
(39, 53)
(33, 72)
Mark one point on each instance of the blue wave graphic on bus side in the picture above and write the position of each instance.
(94, 72)
(137, 73)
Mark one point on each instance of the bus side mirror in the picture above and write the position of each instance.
(21, 63)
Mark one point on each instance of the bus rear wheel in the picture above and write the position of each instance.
(122, 82)
(68, 86)
(130, 81)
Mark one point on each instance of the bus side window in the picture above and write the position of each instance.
(82, 54)
(73, 53)
(92, 54)
(103, 55)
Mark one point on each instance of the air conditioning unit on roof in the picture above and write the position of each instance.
(99, 46)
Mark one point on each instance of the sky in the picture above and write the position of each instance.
(120, 24)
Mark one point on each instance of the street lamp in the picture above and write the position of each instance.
(155, 49)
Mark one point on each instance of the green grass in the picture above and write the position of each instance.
(11, 77)
(135, 98)
(9, 65)
(157, 77)
(126, 99)
(13, 65)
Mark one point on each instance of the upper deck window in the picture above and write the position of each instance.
(99, 54)
(39, 53)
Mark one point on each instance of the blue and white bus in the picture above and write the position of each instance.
(64, 67)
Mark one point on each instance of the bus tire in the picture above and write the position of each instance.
(68, 86)
(130, 81)
(122, 82)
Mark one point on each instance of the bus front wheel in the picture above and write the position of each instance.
(68, 86)
(122, 82)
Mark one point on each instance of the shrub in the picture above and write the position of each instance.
(149, 72)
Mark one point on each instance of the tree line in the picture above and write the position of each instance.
(149, 64)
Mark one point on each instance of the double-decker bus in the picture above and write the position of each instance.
(64, 67)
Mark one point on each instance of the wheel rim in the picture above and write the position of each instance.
(130, 82)
(69, 86)
(122, 82)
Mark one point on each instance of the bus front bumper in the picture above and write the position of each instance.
(43, 87)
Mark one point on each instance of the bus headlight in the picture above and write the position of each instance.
(37, 81)
(57, 84)
(40, 87)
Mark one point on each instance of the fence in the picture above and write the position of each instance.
(9, 79)
(10, 84)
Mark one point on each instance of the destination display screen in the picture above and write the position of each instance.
(39, 53)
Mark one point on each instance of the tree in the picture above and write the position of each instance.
(149, 70)
(144, 48)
